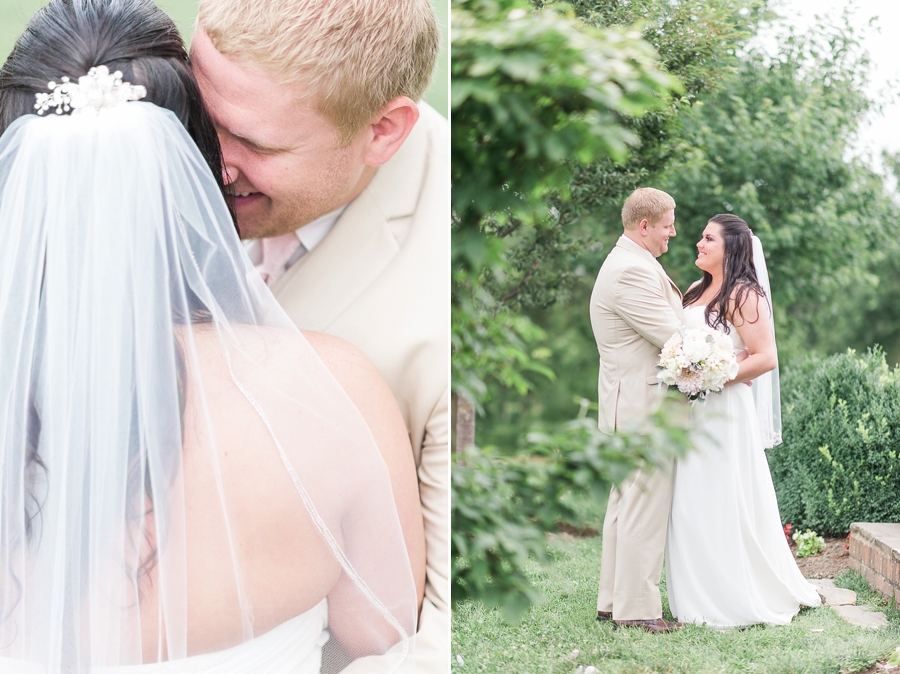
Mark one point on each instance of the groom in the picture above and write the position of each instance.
(340, 176)
(635, 309)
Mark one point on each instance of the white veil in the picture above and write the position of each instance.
(766, 388)
(141, 355)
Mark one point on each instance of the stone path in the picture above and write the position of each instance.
(832, 595)
(862, 616)
(843, 603)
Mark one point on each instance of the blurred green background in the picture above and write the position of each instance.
(14, 14)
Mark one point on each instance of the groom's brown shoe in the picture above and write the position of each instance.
(658, 625)
(602, 616)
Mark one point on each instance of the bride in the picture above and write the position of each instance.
(187, 483)
(727, 563)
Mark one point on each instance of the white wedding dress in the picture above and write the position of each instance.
(727, 562)
(294, 647)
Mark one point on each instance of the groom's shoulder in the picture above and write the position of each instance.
(621, 259)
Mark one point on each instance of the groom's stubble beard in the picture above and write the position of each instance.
(313, 191)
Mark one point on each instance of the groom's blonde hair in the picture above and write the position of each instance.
(351, 57)
(645, 203)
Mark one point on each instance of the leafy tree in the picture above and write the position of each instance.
(547, 272)
(531, 90)
(773, 147)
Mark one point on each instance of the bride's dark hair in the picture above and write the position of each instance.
(69, 37)
(739, 273)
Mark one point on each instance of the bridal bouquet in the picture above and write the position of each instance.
(697, 361)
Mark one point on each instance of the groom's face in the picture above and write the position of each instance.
(282, 160)
(659, 233)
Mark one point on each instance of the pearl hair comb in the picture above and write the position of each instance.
(96, 91)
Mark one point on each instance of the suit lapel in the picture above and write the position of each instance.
(627, 244)
(316, 290)
(671, 282)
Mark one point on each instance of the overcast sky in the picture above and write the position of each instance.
(882, 41)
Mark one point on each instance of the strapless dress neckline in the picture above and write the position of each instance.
(293, 647)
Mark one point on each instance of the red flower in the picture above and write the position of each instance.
(788, 530)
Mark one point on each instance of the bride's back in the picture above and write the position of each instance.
(282, 566)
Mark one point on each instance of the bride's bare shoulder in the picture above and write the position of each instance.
(368, 390)
(347, 363)
(365, 386)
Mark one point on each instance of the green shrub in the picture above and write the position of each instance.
(839, 460)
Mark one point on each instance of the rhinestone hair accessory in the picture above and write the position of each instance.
(96, 91)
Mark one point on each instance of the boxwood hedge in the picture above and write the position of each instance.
(839, 460)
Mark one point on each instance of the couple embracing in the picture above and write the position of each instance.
(218, 456)
(714, 515)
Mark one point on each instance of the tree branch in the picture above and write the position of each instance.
(525, 279)
(516, 223)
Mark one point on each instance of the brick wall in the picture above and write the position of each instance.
(875, 553)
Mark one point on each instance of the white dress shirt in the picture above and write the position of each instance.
(310, 235)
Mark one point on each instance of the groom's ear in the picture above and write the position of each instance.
(391, 128)
(644, 226)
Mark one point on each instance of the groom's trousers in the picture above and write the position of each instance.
(634, 543)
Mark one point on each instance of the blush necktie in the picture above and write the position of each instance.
(276, 253)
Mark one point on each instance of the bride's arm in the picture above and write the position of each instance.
(753, 323)
(370, 393)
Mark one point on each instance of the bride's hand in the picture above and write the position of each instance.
(740, 357)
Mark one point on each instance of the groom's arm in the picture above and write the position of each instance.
(434, 492)
(641, 302)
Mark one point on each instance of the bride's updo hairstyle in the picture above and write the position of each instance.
(69, 37)
(739, 273)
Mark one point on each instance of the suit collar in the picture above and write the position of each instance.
(627, 244)
(325, 281)
(632, 247)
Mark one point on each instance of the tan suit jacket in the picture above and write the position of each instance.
(381, 280)
(635, 308)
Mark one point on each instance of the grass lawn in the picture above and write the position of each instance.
(544, 641)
